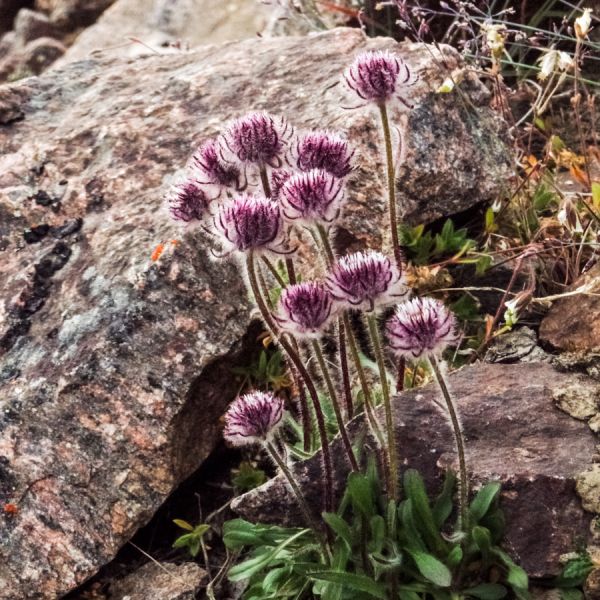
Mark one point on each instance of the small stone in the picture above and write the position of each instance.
(594, 423)
(573, 322)
(161, 581)
(591, 588)
(579, 402)
(41, 53)
(588, 488)
(42, 198)
(35, 234)
(31, 25)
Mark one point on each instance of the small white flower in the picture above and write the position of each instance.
(495, 36)
(553, 60)
(583, 23)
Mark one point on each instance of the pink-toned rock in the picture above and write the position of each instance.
(573, 322)
(114, 369)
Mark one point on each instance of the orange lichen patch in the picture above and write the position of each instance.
(161, 247)
(156, 254)
(10, 509)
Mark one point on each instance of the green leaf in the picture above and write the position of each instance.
(377, 533)
(442, 507)
(415, 490)
(455, 556)
(516, 576)
(483, 500)
(201, 529)
(487, 591)
(194, 546)
(183, 540)
(432, 569)
(361, 494)
(246, 569)
(339, 526)
(409, 534)
(483, 540)
(183, 524)
(354, 581)
(483, 264)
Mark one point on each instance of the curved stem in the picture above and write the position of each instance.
(299, 365)
(264, 179)
(324, 236)
(387, 404)
(307, 513)
(460, 444)
(335, 403)
(391, 184)
(273, 271)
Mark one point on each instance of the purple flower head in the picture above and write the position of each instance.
(311, 197)
(365, 280)
(253, 418)
(207, 159)
(305, 309)
(323, 150)
(250, 223)
(421, 327)
(187, 203)
(258, 138)
(379, 77)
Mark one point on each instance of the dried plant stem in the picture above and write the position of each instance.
(316, 346)
(391, 184)
(299, 365)
(387, 404)
(306, 511)
(463, 492)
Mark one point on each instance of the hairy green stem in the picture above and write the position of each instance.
(387, 404)
(463, 492)
(299, 365)
(346, 387)
(316, 346)
(391, 183)
(364, 384)
(306, 511)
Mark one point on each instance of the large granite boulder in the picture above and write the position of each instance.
(515, 434)
(114, 367)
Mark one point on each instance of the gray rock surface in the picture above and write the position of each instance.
(114, 368)
(514, 434)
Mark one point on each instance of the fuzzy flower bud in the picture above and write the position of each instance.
(421, 327)
(379, 77)
(213, 169)
(305, 309)
(311, 197)
(253, 418)
(258, 138)
(365, 280)
(249, 223)
(323, 150)
(583, 23)
(187, 203)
